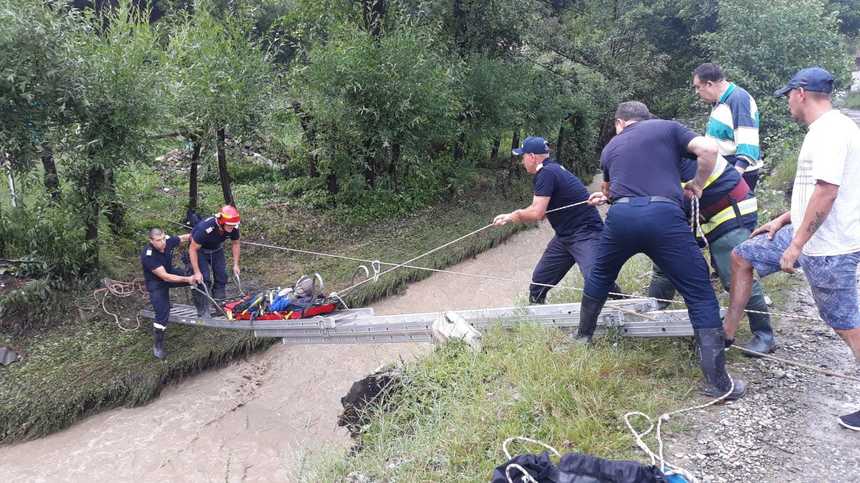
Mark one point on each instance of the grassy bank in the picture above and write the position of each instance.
(88, 364)
(459, 406)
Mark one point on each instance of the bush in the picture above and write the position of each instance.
(32, 305)
(45, 232)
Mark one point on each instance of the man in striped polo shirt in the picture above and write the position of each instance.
(734, 120)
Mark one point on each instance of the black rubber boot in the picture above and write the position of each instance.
(762, 340)
(219, 294)
(712, 359)
(616, 293)
(201, 302)
(589, 310)
(158, 343)
(536, 300)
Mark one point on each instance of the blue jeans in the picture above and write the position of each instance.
(833, 279)
(660, 231)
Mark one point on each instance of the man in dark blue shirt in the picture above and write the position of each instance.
(577, 228)
(160, 276)
(641, 172)
(207, 250)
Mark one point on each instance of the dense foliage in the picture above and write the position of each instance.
(370, 106)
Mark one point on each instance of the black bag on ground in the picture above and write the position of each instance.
(577, 468)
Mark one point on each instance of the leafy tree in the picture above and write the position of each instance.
(218, 79)
(34, 78)
(377, 102)
(762, 44)
(115, 57)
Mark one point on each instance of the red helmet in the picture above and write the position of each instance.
(228, 215)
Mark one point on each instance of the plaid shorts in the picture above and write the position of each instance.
(833, 278)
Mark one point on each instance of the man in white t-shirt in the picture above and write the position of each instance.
(821, 233)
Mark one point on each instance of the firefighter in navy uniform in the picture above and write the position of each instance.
(641, 172)
(728, 212)
(207, 250)
(577, 228)
(160, 277)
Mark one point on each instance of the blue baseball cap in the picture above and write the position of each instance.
(532, 145)
(813, 79)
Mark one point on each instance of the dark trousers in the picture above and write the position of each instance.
(159, 296)
(660, 231)
(558, 258)
(214, 259)
(721, 260)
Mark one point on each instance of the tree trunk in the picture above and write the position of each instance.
(392, 166)
(52, 180)
(515, 143)
(13, 194)
(370, 164)
(460, 26)
(374, 12)
(331, 183)
(560, 146)
(459, 149)
(494, 152)
(90, 212)
(310, 135)
(192, 175)
(223, 174)
(115, 211)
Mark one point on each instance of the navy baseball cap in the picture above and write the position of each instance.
(813, 79)
(532, 145)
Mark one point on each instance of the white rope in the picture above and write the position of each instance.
(696, 221)
(526, 476)
(527, 440)
(122, 290)
(665, 466)
(505, 279)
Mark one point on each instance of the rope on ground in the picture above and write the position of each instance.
(665, 466)
(819, 370)
(513, 466)
(121, 290)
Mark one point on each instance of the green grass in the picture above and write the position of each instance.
(88, 364)
(457, 406)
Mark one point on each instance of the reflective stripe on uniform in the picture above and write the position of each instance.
(159, 326)
(719, 167)
(745, 207)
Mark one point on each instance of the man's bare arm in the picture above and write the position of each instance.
(534, 212)
(706, 152)
(817, 210)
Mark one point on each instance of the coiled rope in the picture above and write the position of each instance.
(121, 290)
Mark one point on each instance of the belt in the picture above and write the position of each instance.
(207, 251)
(653, 199)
